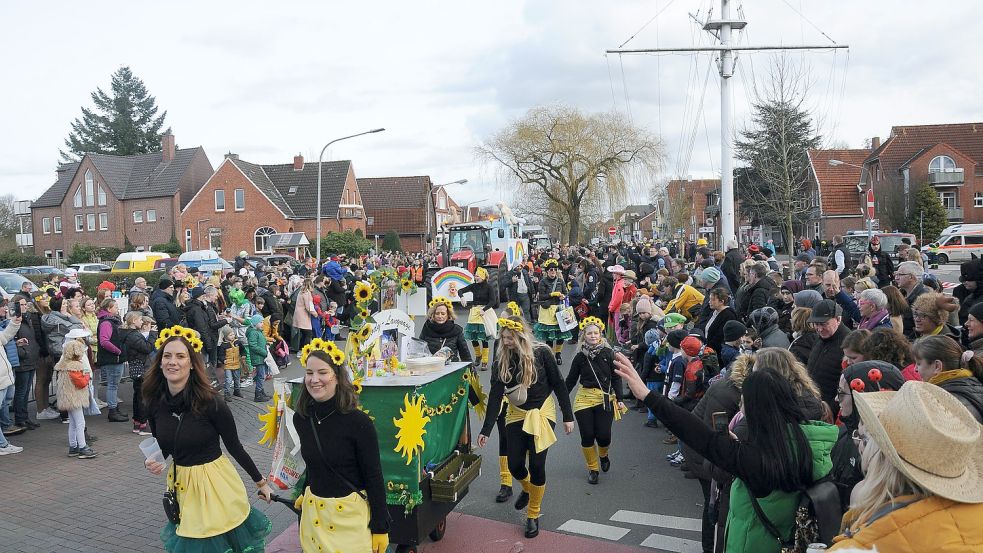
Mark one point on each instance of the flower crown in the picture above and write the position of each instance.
(514, 308)
(441, 300)
(327, 346)
(550, 264)
(511, 325)
(179, 331)
(592, 321)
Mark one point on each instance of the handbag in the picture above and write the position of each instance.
(490, 319)
(517, 394)
(171, 507)
(80, 379)
(817, 517)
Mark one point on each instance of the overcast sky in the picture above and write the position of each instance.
(268, 80)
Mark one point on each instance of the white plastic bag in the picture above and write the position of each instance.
(271, 365)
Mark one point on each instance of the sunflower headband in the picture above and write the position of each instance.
(179, 331)
(550, 264)
(511, 325)
(514, 308)
(592, 321)
(327, 346)
(441, 300)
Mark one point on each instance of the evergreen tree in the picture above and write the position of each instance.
(927, 217)
(390, 242)
(124, 122)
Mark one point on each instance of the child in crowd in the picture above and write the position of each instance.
(228, 354)
(74, 375)
(257, 351)
(652, 371)
(674, 374)
(331, 322)
(624, 325)
(138, 343)
(734, 332)
(750, 342)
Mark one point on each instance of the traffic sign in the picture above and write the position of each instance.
(870, 203)
(612, 231)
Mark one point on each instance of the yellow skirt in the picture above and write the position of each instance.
(212, 498)
(592, 397)
(474, 316)
(535, 422)
(547, 315)
(335, 524)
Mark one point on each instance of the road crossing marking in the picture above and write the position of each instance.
(593, 529)
(661, 521)
(669, 543)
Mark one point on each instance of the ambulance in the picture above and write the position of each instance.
(957, 243)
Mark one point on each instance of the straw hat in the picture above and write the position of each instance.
(928, 435)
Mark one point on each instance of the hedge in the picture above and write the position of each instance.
(91, 281)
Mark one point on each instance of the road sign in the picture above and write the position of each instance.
(612, 231)
(870, 203)
(706, 230)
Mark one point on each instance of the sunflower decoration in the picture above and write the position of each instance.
(510, 324)
(364, 332)
(482, 405)
(406, 285)
(441, 300)
(592, 321)
(269, 420)
(363, 292)
(412, 427)
(179, 331)
(514, 308)
(357, 384)
(550, 264)
(363, 312)
(327, 346)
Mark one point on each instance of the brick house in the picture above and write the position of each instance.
(243, 203)
(690, 204)
(649, 224)
(835, 195)
(629, 221)
(400, 204)
(949, 158)
(103, 200)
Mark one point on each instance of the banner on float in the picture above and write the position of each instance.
(447, 283)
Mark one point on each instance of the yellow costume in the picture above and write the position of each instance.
(212, 498)
(535, 422)
(330, 524)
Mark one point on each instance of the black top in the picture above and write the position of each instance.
(549, 285)
(445, 334)
(482, 294)
(548, 381)
(197, 442)
(350, 445)
(602, 364)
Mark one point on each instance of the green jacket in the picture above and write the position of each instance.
(256, 343)
(745, 533)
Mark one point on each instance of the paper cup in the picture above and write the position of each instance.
(151, 450)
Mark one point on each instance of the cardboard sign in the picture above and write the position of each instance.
(446, 282)
(415, 304)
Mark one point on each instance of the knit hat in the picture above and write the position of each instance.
(763, 318)
(643, 305)
(971, 270)
(673, 319)
(255, 319)
(676, 337)
(977, 311)
(873, 376)
(691, 346)
(803, 257)
(710, 275)
(197, 292)
(793, 286)
(651, 336)
(734, 330)
(164, 284)
(807, 298)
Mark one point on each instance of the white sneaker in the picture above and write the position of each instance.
(246, 382)
(101, 404)
(10, 449)
(48, 414)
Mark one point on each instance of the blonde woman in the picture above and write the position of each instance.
(526, 372)
(913, 498)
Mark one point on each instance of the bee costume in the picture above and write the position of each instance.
(484, 297)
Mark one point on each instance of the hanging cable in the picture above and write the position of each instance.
(647, 23)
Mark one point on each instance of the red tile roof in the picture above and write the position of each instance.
(396, 203)
(907, 140)
(838, 184)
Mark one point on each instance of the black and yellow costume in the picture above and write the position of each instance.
(529, 427)
(595, 405)
(551, 294)
(483, 297)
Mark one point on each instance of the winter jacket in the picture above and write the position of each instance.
(967, 389)
(55, 326)
(165, 312)
(705, 310)
(883, 267)
(271, 307)
(110, 338)
(137, 349)
(29, 354)
(907, 318)
(929, 525)
(731, 267)
(825, 364)
(197, 319)
(449, 335)
(68, 396)
(303, 310)
(801, 346)
(773, 337)
(758, 295)
(482, 294)
(723, 396)
(685, 298)
(715, 330)
(257, 346)
(7, 336)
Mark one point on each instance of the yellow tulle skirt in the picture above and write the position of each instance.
(212, 498)
(335, 524)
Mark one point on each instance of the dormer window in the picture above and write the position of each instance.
(292, 191)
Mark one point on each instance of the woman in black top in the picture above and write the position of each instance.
(440, 330)
(594, 406)
(188, 418)
(344, 503)
(552, 292)
(526, 369)
(483, 297)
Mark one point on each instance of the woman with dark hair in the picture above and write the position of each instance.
(887, 344)
(341, 451)
(188, 418)
(897, 306)
(941, 361)
(484, 297)
(784, 452)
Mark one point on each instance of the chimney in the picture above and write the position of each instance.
(298, 162)
(167, 147)
(232, 156)
(875, 143)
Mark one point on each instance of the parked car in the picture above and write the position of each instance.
(90, 267)
(38, 270)
(136, 262)
(856, 242)
(165, 264)
(10, 284)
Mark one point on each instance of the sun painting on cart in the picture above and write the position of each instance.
(411, 424)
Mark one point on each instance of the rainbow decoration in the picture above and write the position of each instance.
(446, 282)
(517, 250)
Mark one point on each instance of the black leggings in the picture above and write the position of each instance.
(520, 445)
(503, 449)
(595, 425)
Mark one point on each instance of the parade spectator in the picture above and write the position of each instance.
(303, 309)
(722, 313)
(814, 277)
(784, 303)
(908, 278)
(166, 313)
(912, 497)
(684, 299)
(941, 361)
(139, 286)
(824, 359)
(833, 290)
(74, 377)
(930, 312)
(138, 343)
(710, 279)
(765, 321)
(109, 356)
(29, 338)
(854, 347)
(881, 263)
(520, 287)
(55, 325)
(804, 336)
(258, 350)
(839, 258)
(873, 310)
(969, 292)
(973, 329)
(731, 266)
(8, 338)
(760, 289)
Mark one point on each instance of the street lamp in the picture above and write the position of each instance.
(860, 190)
(432, 208)
(320, 162)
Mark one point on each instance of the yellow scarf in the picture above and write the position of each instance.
(536, 422)
(946, 376)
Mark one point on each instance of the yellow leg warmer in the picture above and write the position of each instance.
(526, 485)
(477, 352)
(603, 451)
(536, 494)
(484, 356)
(503, 471)
(557, 348)
(590, 455)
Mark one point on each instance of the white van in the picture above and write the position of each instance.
(957, 246)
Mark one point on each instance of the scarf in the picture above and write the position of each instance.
(441, 330)
(870, 322)
(592, 351)
(946, 376)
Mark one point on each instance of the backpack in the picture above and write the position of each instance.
(817, 517)
(711, 363)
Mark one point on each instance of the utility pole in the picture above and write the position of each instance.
(721, 28)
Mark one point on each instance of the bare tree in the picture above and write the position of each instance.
(569, 158)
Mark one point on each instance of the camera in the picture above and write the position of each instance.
(15, 310)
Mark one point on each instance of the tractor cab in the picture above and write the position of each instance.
(469, 246)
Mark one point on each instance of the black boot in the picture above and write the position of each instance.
(504, 493)
(522, 501)
(559, 361)
(532, 527)
(116, 416)
(592, 477)
(605, 464)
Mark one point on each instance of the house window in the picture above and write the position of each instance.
(47, 254)
(102, 195)
(815, 229)
(59, 254)
(103, 221)
(187, 240)
(220, 200)
(78, 197)
(90, 196)
(442, 202)
(79, 223)
(90, 221)
(942, 164)
(46, 225)
(138, 216)
(978, 199)
(262, 239)
(151, 215)
(240, 199)
(56, 222)
(948, 200)
(215, 239)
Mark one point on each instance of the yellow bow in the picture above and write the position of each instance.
(538, 426)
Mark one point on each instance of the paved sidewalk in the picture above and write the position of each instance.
(51, 502)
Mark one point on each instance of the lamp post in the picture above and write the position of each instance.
(320, 163)
(432, 208)
(870, 220)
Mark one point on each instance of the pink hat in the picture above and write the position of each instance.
(616, 269)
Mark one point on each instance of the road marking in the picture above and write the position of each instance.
(669, 543)
(662, 521)
(593, 529)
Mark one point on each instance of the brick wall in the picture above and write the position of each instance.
(918, 174)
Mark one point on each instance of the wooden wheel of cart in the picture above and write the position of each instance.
(437, 533)
(406, 549)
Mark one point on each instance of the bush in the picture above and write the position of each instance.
(346, 242)
(390, 243)
(14, 258)
(92, 254)
(171, 248)
(91, 281)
